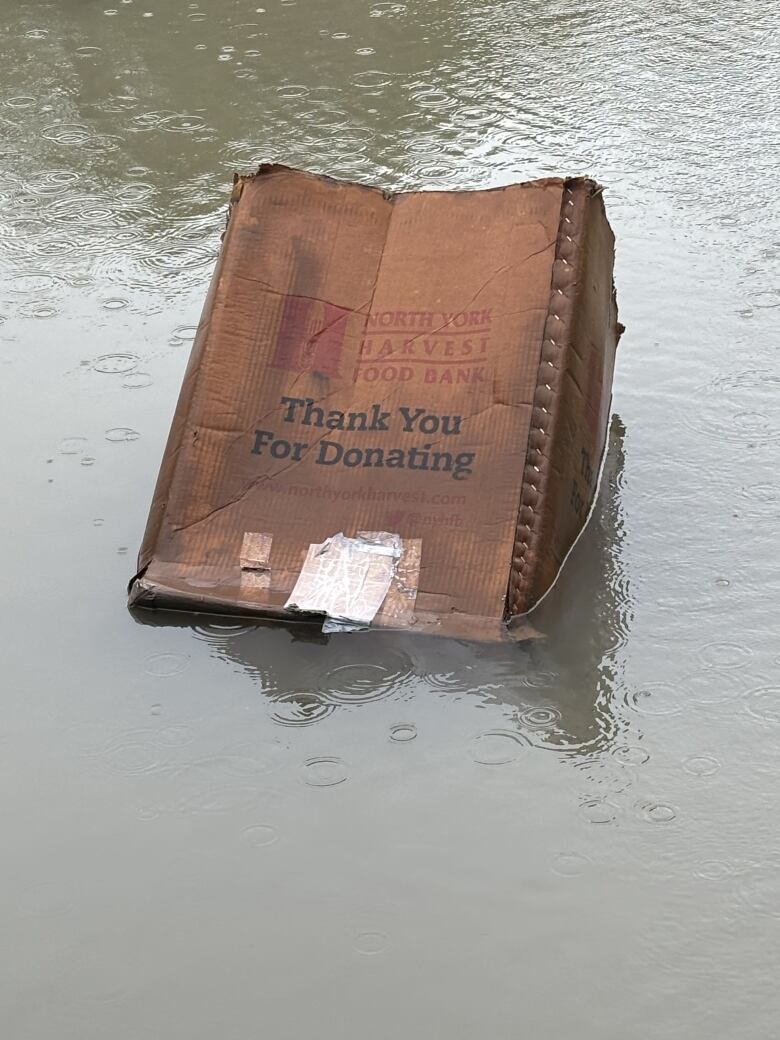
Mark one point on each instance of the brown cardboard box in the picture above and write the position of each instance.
(428, 373)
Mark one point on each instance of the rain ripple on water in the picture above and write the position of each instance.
(299, 709)
(359, 683)
(324, 771)
(497, 747)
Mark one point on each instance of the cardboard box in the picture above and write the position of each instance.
(394, 403)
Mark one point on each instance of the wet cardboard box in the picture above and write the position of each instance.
(395, 408)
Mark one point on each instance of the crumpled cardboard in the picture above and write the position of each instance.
(436, 366)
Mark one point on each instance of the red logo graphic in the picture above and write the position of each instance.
(311, 335)
(394, 520)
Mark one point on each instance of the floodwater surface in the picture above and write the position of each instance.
(211, 829)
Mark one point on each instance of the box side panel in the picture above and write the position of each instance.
(474, 269)
(173, 445)
(573, 396)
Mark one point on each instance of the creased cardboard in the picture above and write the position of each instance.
(437, 365)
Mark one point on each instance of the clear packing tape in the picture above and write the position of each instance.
(358, 582)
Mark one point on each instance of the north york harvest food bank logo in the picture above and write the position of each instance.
(434, 347)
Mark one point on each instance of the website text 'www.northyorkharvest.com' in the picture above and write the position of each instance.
(366, 494)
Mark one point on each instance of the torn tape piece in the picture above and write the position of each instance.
(347, 579)
(255, 551)
(255, 581)
(397, 610)
(331, 625)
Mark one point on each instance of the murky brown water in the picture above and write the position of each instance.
(211, 830)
